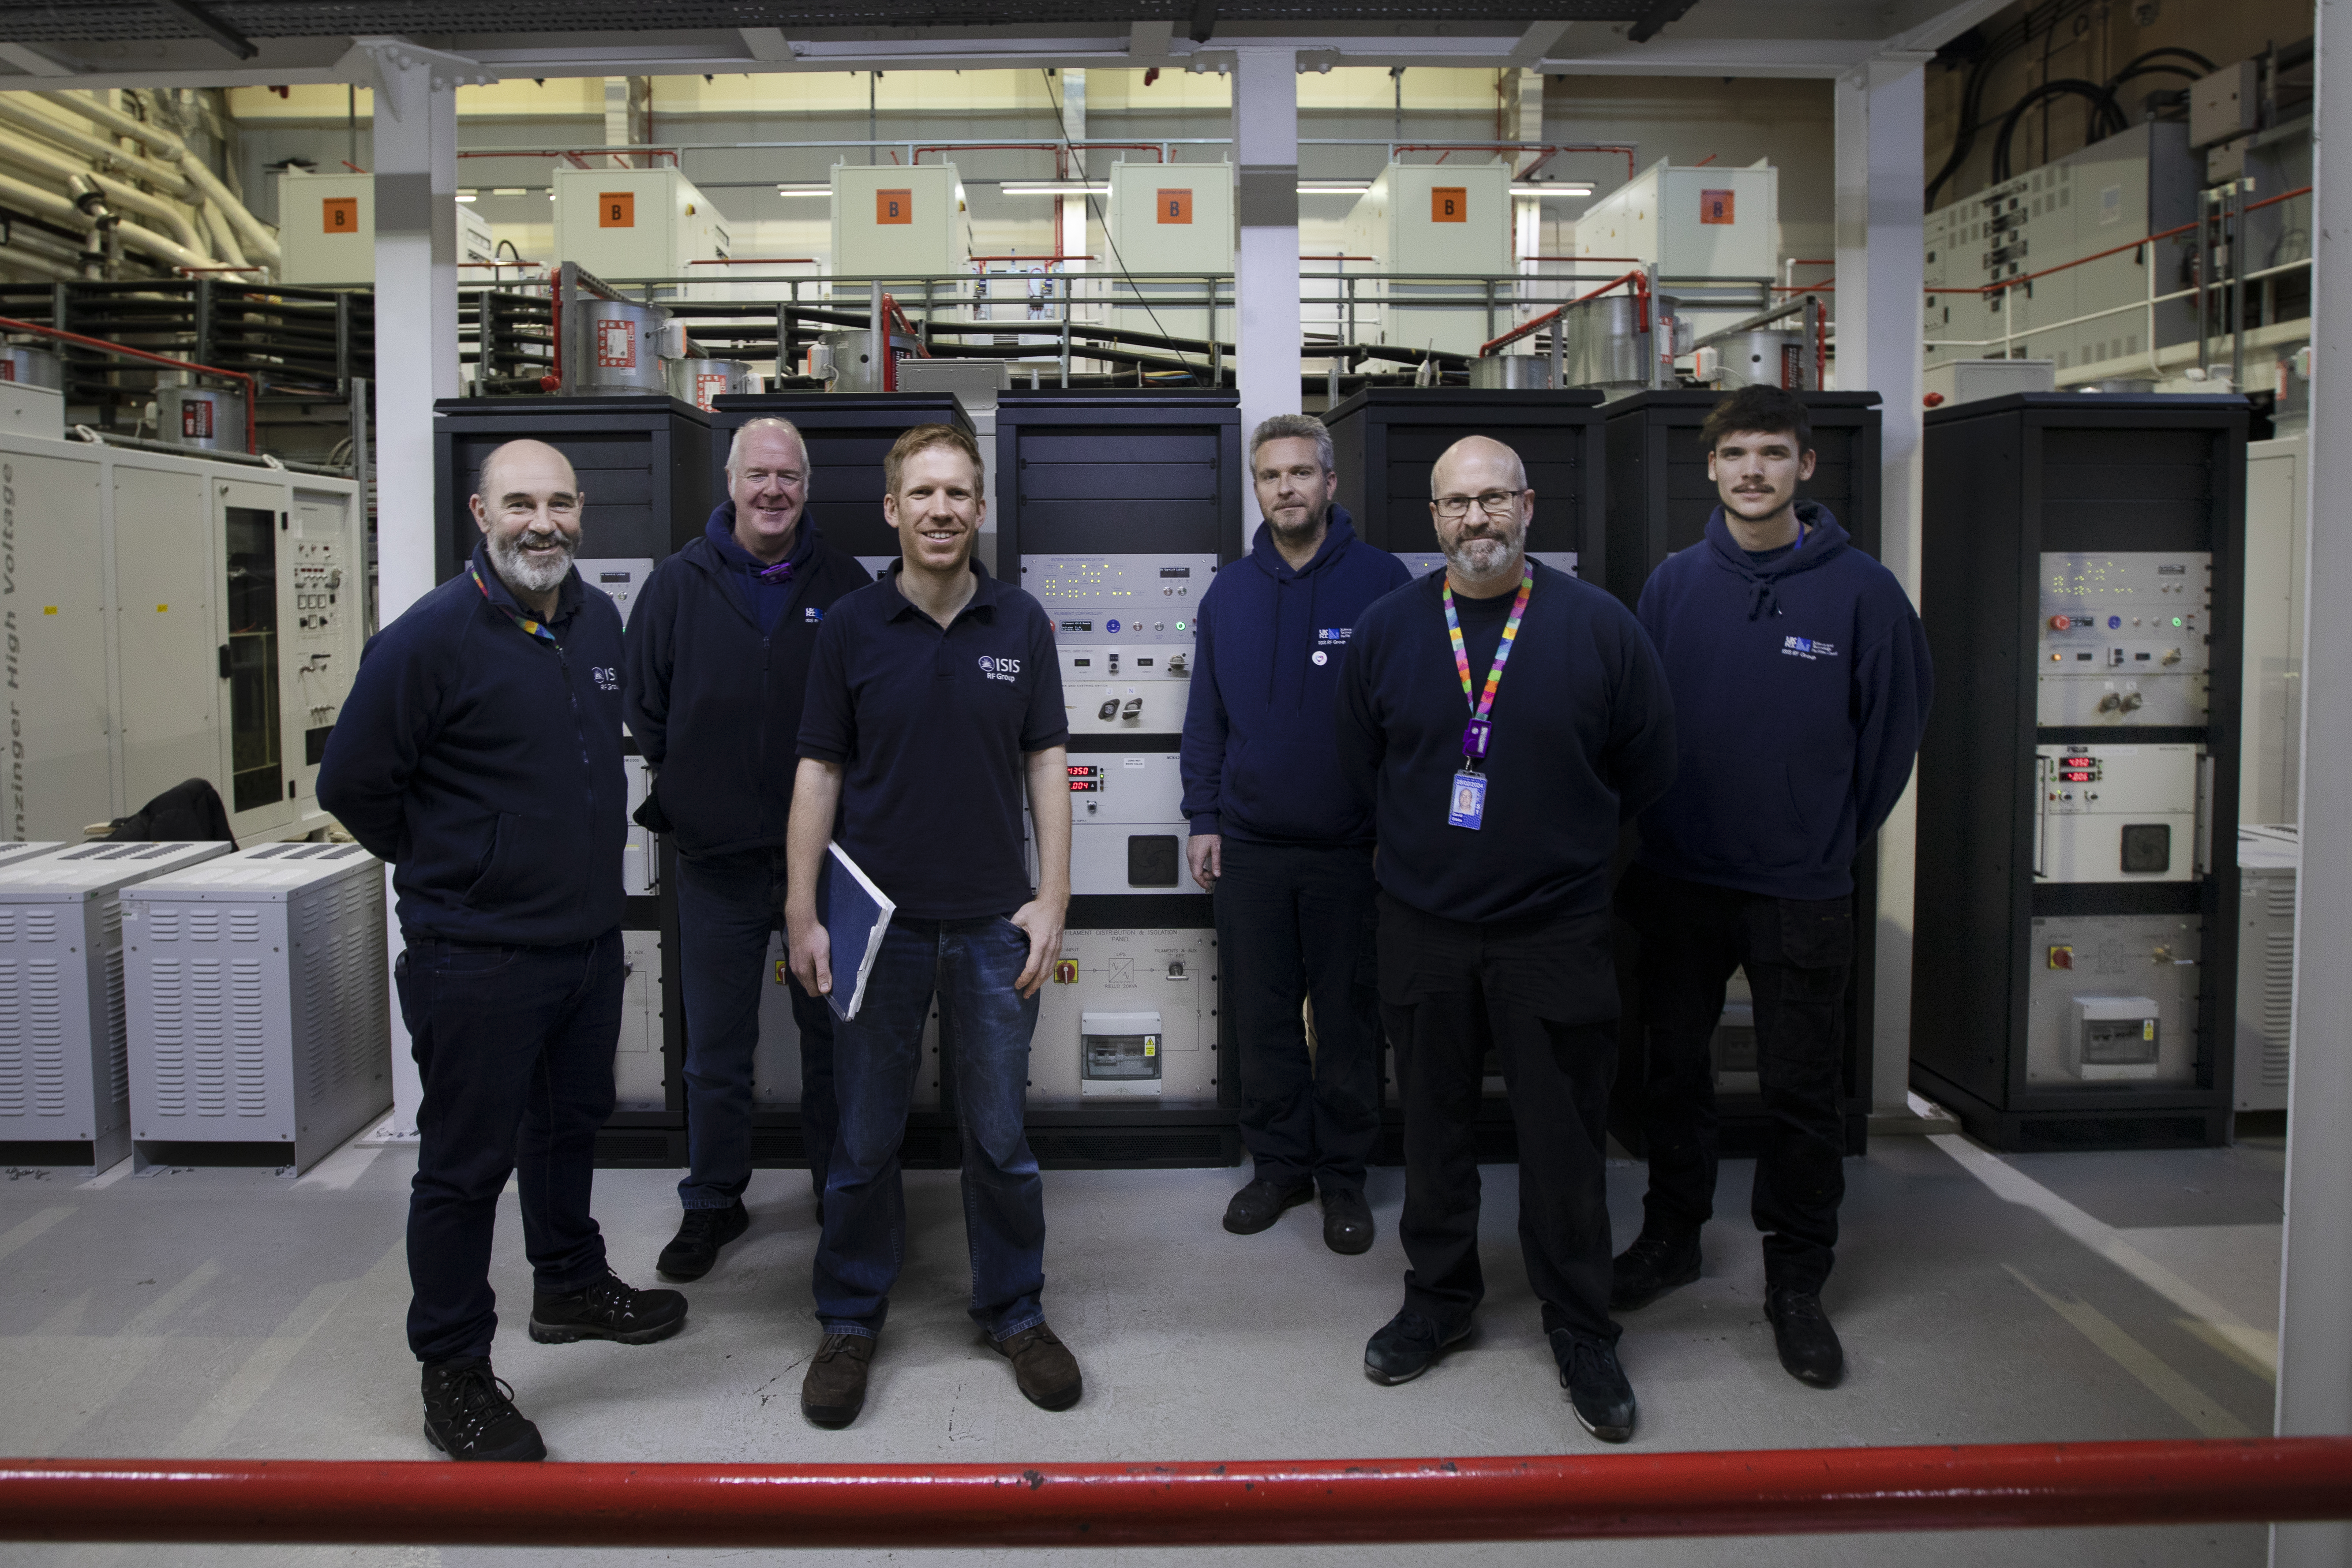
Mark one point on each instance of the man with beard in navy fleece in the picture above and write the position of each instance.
(718, 663)
(1802, 682)
(1282, 844)
(479, 752)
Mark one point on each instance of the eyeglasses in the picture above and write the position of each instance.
(1493, 503)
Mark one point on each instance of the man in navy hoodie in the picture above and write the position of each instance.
(717, 661)
(479, 752)
(1281, 841)
(1802, 682)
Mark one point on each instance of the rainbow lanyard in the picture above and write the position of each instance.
(537, 630)
(1475, 738)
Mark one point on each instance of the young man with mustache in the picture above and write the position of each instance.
(1801, 681)
(479, 752)
(1502, 718)
(719, 655)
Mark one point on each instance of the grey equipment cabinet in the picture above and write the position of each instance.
(65, 1066)
(254, 986)
(2074, 957)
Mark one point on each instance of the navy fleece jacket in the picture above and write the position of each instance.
(714, 696)
(1270, 642)
(1800, 687)
(1583, 739)
(484, 764)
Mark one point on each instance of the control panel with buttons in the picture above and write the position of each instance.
(1124, 626)
(2106, 813)
(2124, 637)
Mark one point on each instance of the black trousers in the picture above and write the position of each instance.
(1543, 993)
(515, 1045)
(1295, 922)
(1797, 954)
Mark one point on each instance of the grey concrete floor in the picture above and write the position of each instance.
(1980, 1297)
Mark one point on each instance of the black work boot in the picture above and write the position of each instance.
(1261, 1203)
(469, 1413)
(1597, 1389)
(1809, 1347)
(607, 1310)
(1347, 1221)
(832, 1390)
(1408, 1346)
(1654, 1264)
(700, 1234)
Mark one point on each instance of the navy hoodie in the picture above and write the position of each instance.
(1583, 739)
(1801, 686)
(1258, 762)
(484, 764)
(714, 698)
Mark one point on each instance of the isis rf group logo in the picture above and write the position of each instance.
(1000, 668)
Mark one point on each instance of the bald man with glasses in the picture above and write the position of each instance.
(1501, 720)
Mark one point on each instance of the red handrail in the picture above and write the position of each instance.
(2008, 283)
(1549, 150)
(1641, 281)
(916, 155)
(252, 389)
(1792, 1492)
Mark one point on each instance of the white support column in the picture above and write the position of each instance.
(2314, 1368)
(1072, 238)
(1265, 271)
(1881, 280)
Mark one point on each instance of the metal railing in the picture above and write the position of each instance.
(1790, 1491)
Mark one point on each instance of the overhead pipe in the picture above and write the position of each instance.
(43, 204)
(97, 149)
(24, 154)
(250, 229)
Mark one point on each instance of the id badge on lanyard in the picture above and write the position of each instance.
(1466, 800)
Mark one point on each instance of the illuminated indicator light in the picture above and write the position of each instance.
(2175, 620)
(1180, 625)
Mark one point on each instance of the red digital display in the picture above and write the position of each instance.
(2079, 762)
(2077, 775)
(1086, 786)
(1085, 771)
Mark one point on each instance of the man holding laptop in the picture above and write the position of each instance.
(934, 699)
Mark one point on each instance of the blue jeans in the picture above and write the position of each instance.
(726, 908)
(984, 1029)
(515, 1047)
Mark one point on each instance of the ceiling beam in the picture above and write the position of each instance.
(40, 60)
(200, 17)
(1539, 40)
(766, 43)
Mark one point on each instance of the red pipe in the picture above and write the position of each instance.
(1796, 1492)
(252, 390)
(916, 156)
(1641, 281)
(1548, 151)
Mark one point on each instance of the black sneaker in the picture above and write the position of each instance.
(469, 1413)
(1408, 1346)
(1597, 1389)
(1347, 1222)
(607, 1310)
(1261, 1203)
(1654, 1264)
(700, 1234)
(1809, 1347)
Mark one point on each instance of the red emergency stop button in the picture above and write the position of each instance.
(2060, 623)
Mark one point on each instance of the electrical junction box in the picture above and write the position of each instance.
(890, 220)
(2224, 105)
(637, 223)
(1119, 1054)
(326, 230)
(64, 1037)
(1433, 220)
(1692, 222)
(1124, 626)
(257, 992)
(174, 617)
(2112, 1037)
(1109, 990)
(1171, 217)
(2118, 814)
(2268, 860)
(1955, 380)
(2124, 637)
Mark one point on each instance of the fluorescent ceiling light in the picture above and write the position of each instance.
(465, 196)
(1554, 188)
(1052, 188)
(510, 191)
(803, 190)
(1333, 187)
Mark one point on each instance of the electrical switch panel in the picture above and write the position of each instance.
(1128, 1013)
(2118, 814)
(2113, 997)
(2124, 637)
(1124, 627)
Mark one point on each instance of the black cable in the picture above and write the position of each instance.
(2205, 66)
(2134, 71)
(2106, 112)
(1996, 49)
(1078, 159)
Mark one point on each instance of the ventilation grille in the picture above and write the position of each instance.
(338, 986)
(210, 1035)
(2277, 1004)
(32, 1037)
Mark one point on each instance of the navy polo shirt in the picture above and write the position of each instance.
(932, 726)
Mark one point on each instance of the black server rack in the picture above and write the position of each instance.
(643, 464)
(2083, 581)
(1385, 441)
(1659, 500)
(1118, 507)
(847, 434)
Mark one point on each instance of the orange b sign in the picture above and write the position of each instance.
(894, 207)
(1715, 206)
(1449, 203)
(617, 209)
(1176, 206)
(339, 215)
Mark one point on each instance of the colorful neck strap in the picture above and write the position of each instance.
(533, 628)
(1502, 650)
